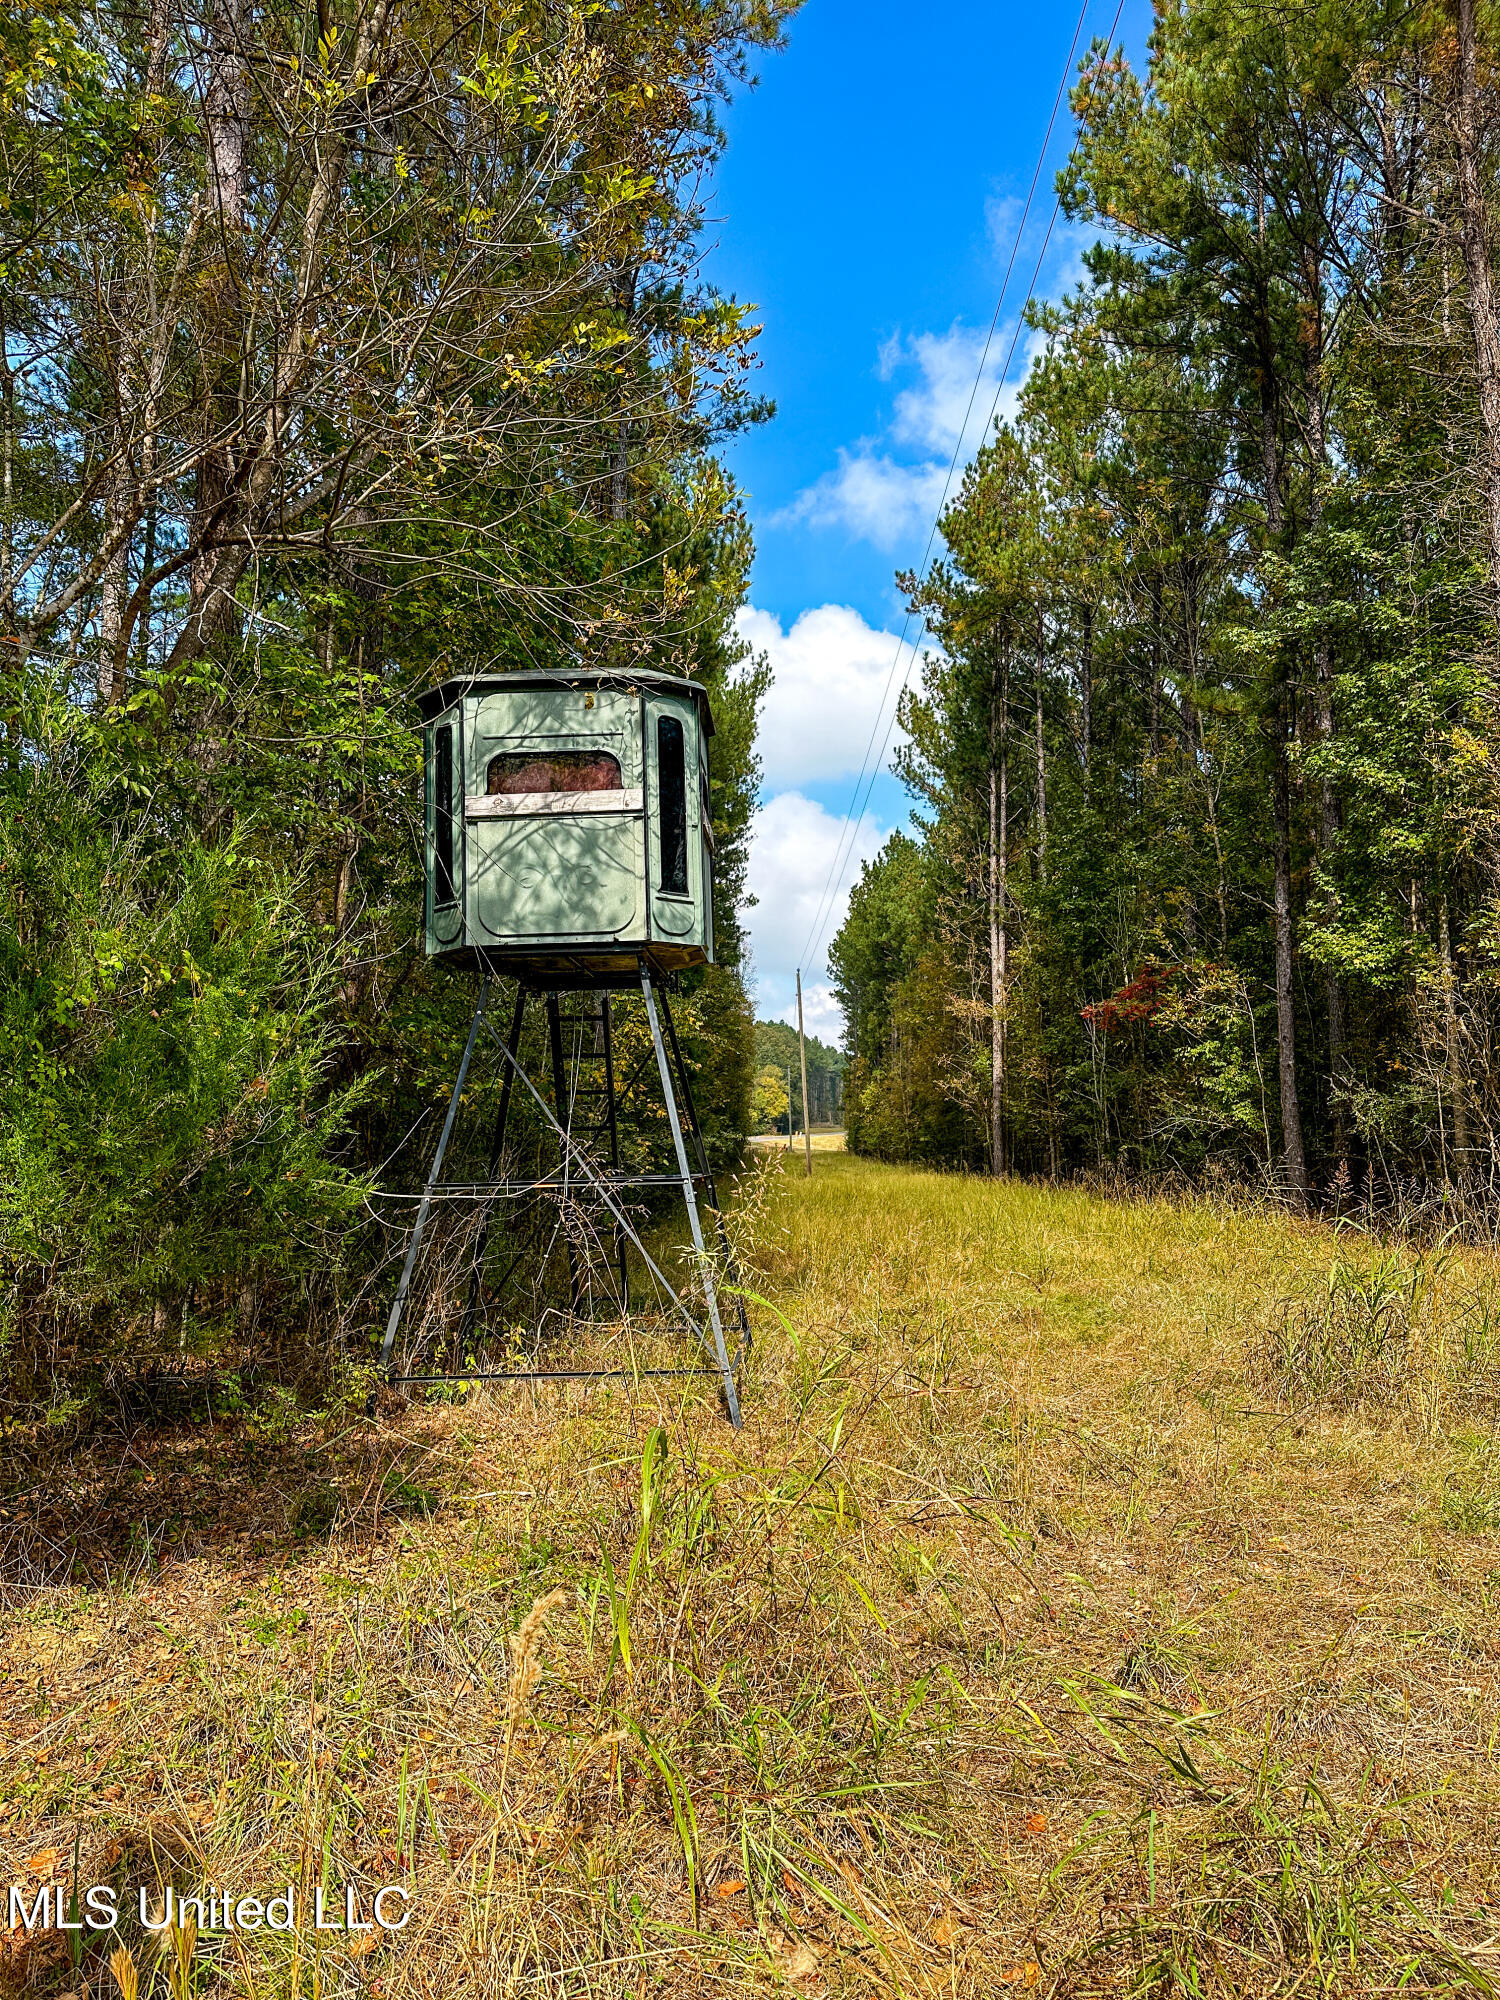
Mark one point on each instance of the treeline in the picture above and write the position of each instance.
(1205, 873)
(778, 1085)
(338, 350)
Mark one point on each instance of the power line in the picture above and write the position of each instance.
(852, 822)
(856, 815)
(890, 724)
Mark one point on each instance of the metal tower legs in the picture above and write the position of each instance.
(564, 1110)
(577, 1170)
(497, 1144)
(695, 1132)
(398, 1304)
(689, 1195)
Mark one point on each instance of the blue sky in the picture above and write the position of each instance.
(867, 204)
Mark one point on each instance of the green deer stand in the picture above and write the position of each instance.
(569, 848)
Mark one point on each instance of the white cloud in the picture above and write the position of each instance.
(872, 496)
(944, 399)
(1002, 216)
(793, 846)
(887, 489)
(834, 689)
(956, 389)
(821, 1013)
(872, 493)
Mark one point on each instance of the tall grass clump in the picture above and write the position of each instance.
(1398, 1327)
(1247, 1874)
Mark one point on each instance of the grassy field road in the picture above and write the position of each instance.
(1100, 1598)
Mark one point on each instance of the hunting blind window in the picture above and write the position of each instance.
(671, 781)
(443, 820)
(517, 772)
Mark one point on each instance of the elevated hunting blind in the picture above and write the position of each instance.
(568, 825)
(569, 846)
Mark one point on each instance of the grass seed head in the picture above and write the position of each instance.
(126, 1978)
(525, 1668)
(525, 1655)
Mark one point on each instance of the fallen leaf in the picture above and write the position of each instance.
(728, 1888)
(946, 1929)
(1036, 1822)
(48, 1858)
(795, 1961)
(363, 1944)
(789, 1882)
(1021, 1975)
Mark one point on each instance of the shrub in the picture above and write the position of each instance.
(172, 1172)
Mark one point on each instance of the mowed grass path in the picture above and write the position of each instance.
(1028, 1637)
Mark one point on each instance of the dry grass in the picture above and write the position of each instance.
(824, 1140)
(1041, 1630)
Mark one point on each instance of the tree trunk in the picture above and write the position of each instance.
(120, 608)
(1041, 758)
(620, 476)
(263, 453)
(1333, 989)
(1086, 687)
(1294, 1161)
(12, 652)
(1270, 450)
(1328, 828)
(7, 490)
(114, 595)
(999, 938)
(1458, 1095)
(144, 592)
(227, 113)
(1484, 318)
(137, 405)
(619, 483)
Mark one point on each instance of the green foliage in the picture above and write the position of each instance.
(769, 1102)
(171, 1130)
(912, 1103)
(714, 1025)
(891, 911)
(777, 1054)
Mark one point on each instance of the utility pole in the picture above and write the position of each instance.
(802, 1050)
(788, 1107)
